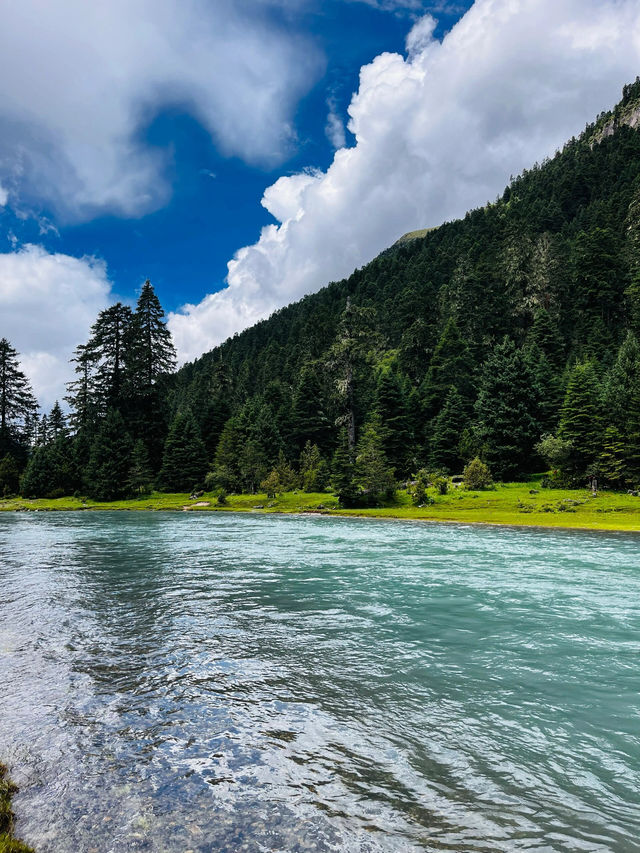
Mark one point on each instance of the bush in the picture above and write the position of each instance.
(477, 475)
(221, 500)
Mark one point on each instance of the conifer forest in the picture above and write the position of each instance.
(509, 339)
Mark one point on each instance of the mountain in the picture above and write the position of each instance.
(521, 291)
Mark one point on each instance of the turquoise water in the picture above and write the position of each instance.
(182, 682)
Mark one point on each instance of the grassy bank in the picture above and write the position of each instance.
(8, 844)
(511, 503)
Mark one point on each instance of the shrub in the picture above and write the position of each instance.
(477, 475)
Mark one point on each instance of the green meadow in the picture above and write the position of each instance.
(509, 503)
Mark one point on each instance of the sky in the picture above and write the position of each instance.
(243, 153)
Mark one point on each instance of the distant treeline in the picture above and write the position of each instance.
(510, 335)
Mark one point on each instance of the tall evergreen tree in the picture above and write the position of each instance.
(343, 472)
(107, 476)
(581, 416)
(391, 407)
(308, 412)
(507, 411)
(106, 352)
(447, 430)
(150, 352)
(451, 366)
(184, 461)
(17, 404)
(373, 472)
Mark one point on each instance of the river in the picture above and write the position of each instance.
(235, 682)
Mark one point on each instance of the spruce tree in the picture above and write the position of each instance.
(581, 416)
(9, 475)
(17, 404)
(545, 334)
(390, 405)
(373, 472)
(447, 431)
(313, 469)
(451, 366)
(106, 355)
(308, 415)
(107, 476)
(507, 411)
(343, 472)
(150, 351)
(184, 461)
(612, 462)
(226, 468)
(140, 473)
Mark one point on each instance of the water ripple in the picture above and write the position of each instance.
(222, 683)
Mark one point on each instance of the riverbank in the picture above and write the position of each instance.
(521, 504)
(8, 844)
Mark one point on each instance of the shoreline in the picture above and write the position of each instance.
(519, 505)
(8, 842)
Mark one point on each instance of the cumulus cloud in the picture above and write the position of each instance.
(4, 196)
(79, 82)
(438, 131)
(335, 129)
(47, 305)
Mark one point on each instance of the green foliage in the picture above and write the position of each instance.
(373, 472)
(554, 450)
(508, 411)
(109, 460)
(271, 484)
(581, 416)
(9, 475)
(343, 472)
(184, 461)
(418, 488)
(448, 428)
(140, 473)
(314, 471)
(477, 475)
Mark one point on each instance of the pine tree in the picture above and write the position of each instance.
(507, 411)
(545, 334)
(343, 472)
(356, 338)
(450, 366)
(57, 423)
(81, 393)
(390, 405)
(106, 353)
(109, 460)
(50, 471)
(9, 475)
(140, 473)
(373, 472)
(150, 352)
(184, 461)
(612, 462)
(447, 431)
(313, 469)
(308, 416)
(581, 416)
(17, 404)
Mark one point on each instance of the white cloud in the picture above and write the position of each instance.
(335, 130)
(4, 196)
(437, 133)
(80, 81)
(47, 305)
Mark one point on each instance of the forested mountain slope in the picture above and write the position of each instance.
(476, 338)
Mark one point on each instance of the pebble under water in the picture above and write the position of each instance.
(228, 682)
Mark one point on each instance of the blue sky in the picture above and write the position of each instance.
(214, 206)
(244, 153)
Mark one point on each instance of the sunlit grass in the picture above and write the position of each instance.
(510, 503)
